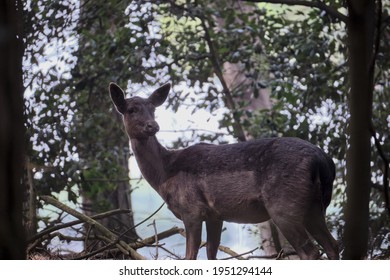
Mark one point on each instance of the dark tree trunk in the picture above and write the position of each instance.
(361, 30)
(12, 241)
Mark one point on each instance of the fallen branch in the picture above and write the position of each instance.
(114, 240)
(49, 230)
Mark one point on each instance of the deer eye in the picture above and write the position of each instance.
(132, 110)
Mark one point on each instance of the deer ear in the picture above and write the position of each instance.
(117, 97)
(159, 95)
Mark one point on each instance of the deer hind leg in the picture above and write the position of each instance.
(297, 236)
(214, 229)
(316, 226)
(193, 238)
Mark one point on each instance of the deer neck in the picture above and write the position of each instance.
(151, 157)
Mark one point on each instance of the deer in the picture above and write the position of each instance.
(286, 180)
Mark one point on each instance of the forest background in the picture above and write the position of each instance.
(317, 70)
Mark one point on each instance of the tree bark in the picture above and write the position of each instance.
(361, 30)
(12, 239)
(30, 202)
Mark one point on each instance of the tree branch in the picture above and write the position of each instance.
(312, 4)
(239, 131)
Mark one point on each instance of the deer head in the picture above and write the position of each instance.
(138, 113)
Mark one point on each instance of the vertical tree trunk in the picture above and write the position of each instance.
(361, 29)
(29, 208)
(12, 241)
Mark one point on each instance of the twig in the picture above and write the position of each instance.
(143, 221)
(233, 254)
(280, 255)
(171, 253)
(150, 240)
(155, 237)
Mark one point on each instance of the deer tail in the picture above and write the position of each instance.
(327, 174)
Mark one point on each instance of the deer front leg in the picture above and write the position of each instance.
(193, 238)
(214, 229)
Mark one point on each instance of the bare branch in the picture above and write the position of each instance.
(238, 129)
(171, 253)
(150, 240)
(233, 254)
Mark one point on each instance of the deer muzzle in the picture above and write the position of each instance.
(151, 128)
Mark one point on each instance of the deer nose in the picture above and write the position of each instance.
(151, 128)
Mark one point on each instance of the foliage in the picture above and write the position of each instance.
(73, 138)
(49, 111)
